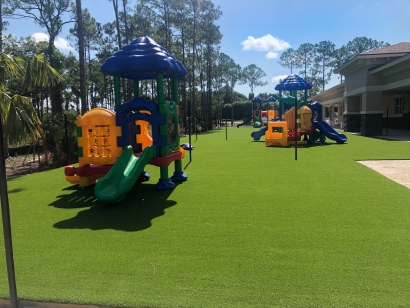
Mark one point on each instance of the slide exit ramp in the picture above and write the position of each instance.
(258, 134)
(329, 131)
(245, 122)
(123, 175)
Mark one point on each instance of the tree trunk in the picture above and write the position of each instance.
(127, 30)
(193, 65)
(129, 83)
(56, 99)
(81, 55)
(1, 29)
(209, 85)
(5, 142)
(55, 91)
(184, 103)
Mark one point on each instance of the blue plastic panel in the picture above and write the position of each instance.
(142, 59)
(271, 99)
(293, 82)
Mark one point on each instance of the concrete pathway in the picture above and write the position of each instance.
(395, 134)
(396, 170)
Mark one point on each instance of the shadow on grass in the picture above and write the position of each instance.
(317, 144)
(406, 139)
(206, 133)
(301, 146)
(74, 187)
(16, 190)
(186, 166)
(79, 198)
(135, 213)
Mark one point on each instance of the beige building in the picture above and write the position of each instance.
(375, 94)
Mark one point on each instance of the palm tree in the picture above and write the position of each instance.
(19, 119)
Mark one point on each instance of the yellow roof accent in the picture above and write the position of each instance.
(99, 116)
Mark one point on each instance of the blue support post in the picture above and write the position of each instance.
(164, 182)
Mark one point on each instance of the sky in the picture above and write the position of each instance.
(258, 31)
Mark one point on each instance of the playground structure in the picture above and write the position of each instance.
(309, 124)
(259, 116)
(114, 148)
(323, 126)
(256, 113)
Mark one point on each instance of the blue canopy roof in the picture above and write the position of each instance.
(257, 99)
(142, 59)
(293, 82)
(271, 99)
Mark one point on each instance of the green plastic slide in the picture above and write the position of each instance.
(123, 175)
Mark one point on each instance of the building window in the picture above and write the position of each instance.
(398, 105)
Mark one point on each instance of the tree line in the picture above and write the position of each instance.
(186, 28)
(317, 61)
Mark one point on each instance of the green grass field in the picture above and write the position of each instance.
(251, 227)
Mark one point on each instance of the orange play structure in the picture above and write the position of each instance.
(270, 114)
(277, 134)
(97, 146)
(282, 133)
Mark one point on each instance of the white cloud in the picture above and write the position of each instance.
(277, 79)
(271, 55)
(59, 42)
(38, 37)
(264, 43)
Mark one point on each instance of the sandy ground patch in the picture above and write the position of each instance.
(396, 170)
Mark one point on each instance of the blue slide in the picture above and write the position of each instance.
(329, 132)
(245, 122)
(258, 134)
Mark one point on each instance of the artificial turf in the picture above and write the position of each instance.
(251, 227)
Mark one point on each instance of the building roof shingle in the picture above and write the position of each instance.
(396, 48)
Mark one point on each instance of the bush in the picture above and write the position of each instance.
(59, 150)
